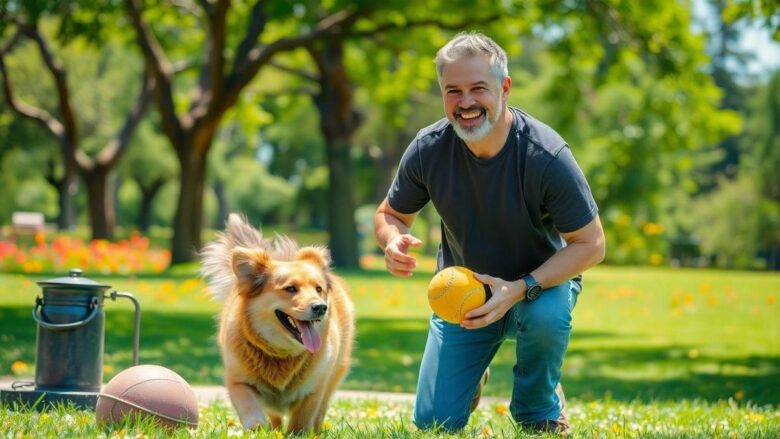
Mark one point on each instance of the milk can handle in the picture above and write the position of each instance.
(137, 324)
(93, 305)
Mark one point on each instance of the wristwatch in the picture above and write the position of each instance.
(534, 289)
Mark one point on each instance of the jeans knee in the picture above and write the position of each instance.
(546, 326)
(439, 419)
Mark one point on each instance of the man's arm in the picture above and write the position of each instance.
(391, 229)
(584, 249)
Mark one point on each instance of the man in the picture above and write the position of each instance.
(515, 207)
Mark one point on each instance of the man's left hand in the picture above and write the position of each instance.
(505, 294)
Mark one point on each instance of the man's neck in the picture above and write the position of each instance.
(493, 143)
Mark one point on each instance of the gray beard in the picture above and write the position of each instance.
(479, 132)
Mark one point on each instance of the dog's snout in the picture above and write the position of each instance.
(319, 309)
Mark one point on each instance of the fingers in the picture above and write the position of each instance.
(478, 320)
(480, 311)
(485, 279)
(397, 261)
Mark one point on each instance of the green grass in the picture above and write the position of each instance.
(647, 343)
(375, 419)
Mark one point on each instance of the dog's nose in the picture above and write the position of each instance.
(319, 309)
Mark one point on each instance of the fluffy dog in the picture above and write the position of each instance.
(286, 329)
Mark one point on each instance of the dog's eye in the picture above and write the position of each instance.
(291, 289)
(319, 289)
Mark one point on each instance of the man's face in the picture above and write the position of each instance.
(473, 98)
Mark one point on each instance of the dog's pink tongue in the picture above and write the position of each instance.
(311, 339)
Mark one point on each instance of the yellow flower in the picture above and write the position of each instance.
(771, 299)
(19, 367)
(653, 229)
(739, 395)
(486, 431)
(501, 410)
(656, 259)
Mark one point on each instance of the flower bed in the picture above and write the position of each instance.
(130, 256)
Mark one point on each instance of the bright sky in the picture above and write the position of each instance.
(755, 39)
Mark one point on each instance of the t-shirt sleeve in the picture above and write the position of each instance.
(408, 193)
(566, 194)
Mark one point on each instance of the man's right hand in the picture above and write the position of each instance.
(397, 259)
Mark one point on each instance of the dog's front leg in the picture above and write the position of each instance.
(304, 414)
(247, 403)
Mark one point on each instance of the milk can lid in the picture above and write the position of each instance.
(73, 279)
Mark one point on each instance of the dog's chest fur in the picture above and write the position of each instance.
(282, 380)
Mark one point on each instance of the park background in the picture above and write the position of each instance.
(135, 127)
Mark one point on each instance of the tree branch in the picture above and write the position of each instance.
(25, 110)
(312, 77)
(161, 69)
(423, 22)
(259, 56)
(217, 21)
(257, 22)
(60, 82)
(112, 152)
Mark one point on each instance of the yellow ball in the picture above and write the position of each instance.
(453, 292)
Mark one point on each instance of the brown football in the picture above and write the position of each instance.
(148, 390)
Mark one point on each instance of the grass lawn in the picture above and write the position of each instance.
(696, 349)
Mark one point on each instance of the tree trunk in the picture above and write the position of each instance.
(188, 221)
(341, 205)
(223, 209)
(67, 188)
(101, 203)
(148, 193)
(338, 121)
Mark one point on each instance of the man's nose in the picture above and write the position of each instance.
(466, 100)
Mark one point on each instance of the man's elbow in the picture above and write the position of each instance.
(599, 249)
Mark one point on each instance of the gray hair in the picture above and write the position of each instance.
(471, 44)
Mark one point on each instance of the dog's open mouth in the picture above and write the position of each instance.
(301, 330)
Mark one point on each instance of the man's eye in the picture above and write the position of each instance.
(291, 289)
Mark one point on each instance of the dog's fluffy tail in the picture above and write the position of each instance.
(216, 258)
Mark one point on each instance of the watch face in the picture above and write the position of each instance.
(533, 292)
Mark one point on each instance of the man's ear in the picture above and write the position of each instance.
(250, 267)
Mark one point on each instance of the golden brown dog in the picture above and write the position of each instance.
(286, 329)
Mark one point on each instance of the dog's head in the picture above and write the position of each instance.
(286, 301)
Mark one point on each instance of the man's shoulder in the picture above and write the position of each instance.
(434, 134)
(541, 138)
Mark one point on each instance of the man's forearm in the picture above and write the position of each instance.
(569, 262)
(386, 227)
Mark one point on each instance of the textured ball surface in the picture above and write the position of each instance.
(159, 392)
(453, 292)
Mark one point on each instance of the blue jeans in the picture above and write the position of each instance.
(455, 359)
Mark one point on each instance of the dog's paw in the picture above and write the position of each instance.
(254, 422)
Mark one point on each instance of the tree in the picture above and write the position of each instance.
(62, 125)
(229, 65)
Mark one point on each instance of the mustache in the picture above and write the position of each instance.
(458, 111)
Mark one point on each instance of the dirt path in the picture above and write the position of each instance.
(210, 394)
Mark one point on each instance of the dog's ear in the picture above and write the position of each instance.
(318, 255)
(250, 267)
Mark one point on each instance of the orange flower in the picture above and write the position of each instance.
(19, 367)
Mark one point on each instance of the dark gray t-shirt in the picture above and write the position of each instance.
(499, 216)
